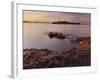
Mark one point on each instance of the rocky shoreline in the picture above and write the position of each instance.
(44, 58)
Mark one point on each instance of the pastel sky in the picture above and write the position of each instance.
(46, 16)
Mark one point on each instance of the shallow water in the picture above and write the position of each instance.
(35, 35)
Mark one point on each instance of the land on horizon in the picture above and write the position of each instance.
(56, 22)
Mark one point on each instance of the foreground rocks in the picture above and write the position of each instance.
(36, 58)
(44, 58)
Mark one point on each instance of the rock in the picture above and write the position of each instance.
(68, 58)
(56, 35)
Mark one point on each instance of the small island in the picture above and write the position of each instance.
(65, 22)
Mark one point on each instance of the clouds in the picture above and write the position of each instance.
(46, 16)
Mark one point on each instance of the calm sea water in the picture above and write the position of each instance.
(35, 35)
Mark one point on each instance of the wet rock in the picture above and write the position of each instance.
(56, 35)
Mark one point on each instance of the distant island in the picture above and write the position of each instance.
(56, 22)
(65, 22)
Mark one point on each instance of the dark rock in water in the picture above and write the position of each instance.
(56, 35)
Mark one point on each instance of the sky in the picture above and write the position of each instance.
(49, 16)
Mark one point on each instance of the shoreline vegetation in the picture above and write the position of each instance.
(56, 22)
(44, 58)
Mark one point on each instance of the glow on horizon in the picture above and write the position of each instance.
(46, 16)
